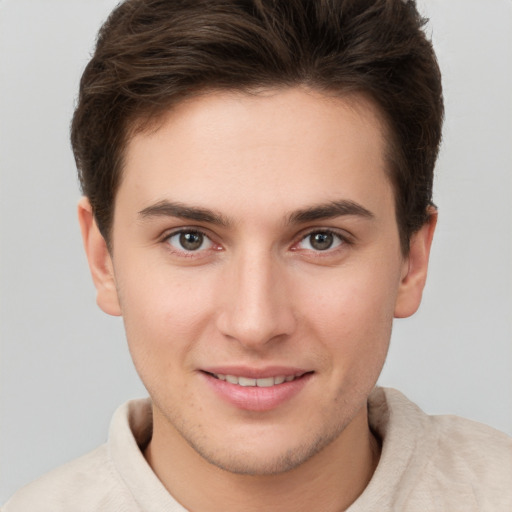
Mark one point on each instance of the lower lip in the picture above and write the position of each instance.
(254, 398)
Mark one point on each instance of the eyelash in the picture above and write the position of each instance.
(184, 252)
(343, 240)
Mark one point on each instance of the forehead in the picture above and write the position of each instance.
(286, 147)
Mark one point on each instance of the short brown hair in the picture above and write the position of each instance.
(151, 54)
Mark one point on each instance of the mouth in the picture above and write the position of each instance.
(257, 389)
(265, 382)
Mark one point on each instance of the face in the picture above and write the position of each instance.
(256, 262)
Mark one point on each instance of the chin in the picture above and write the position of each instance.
(271, 458)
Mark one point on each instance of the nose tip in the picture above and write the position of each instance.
(257, 308)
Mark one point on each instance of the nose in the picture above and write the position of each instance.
(256, 306)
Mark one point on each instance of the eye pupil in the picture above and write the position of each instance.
(191, 240)
(321, 241)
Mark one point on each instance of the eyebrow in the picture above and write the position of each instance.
(175, 209)
(329, 211)
(317, 212)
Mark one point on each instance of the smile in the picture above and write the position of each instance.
(257, 390)
(266, 382)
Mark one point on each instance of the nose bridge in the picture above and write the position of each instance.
(257, 307)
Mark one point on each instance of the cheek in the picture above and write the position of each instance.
(164, 315)
(353, 315)
(356, 298)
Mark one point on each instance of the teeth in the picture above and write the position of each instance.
(261, 383)
(266, 383)
(244, 381)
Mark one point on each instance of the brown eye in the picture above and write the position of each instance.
(321, 241)
(189, 241)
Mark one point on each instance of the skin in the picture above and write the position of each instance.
(258, 292)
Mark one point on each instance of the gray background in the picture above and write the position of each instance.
(64, 364)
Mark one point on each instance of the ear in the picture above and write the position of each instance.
(100, 261)
(414, 274)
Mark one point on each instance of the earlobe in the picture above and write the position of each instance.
(100, 261)
(415, 268)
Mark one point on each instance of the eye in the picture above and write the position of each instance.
(320, 241)
(189, 241)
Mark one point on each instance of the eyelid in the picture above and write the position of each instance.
(345, 238)
(184, 229)
(189, 229)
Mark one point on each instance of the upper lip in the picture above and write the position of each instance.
(256, 373)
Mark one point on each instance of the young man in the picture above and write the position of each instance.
(258, 180)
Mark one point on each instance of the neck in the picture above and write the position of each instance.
(330, 481)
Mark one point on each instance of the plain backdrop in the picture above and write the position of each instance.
(64, 364)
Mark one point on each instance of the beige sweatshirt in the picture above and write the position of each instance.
(428, 463)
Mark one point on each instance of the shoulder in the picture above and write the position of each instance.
(105, 479)
(87, 483)
(446, 461)
(475, 457)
